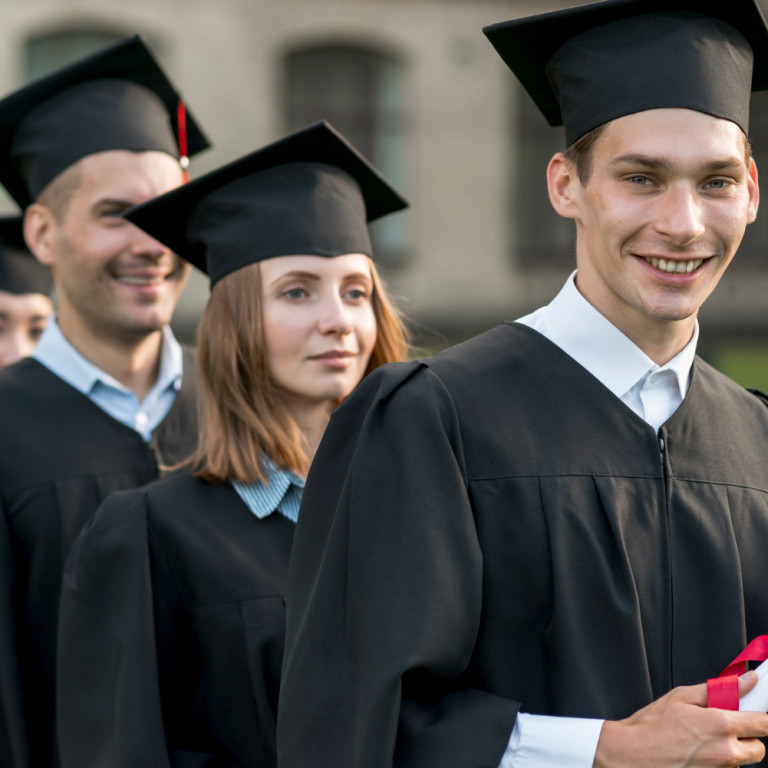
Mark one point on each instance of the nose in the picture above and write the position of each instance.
(14, 347)
(681, 218)
(145, 245)
(335, 317)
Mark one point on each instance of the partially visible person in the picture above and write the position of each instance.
(25, 294)
(172, 613)
(532, 549)
(108, 396)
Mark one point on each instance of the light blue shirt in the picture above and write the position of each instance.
(56, 353)
(281, 493)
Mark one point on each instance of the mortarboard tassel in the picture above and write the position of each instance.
(181, 120)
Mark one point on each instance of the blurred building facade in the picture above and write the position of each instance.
(416, 86)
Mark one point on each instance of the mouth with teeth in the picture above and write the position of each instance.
(675, 266)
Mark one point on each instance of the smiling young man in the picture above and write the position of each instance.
(25, 294)
(658, 219)
(532, 550)
(108, 396)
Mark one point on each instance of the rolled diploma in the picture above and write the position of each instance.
(757, 699)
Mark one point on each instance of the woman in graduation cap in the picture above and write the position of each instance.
(172, 615)
(25, 294)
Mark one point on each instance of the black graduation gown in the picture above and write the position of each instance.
(60, 456)
(171, 631)
(492, 530)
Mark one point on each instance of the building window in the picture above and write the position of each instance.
(359, 91)
(753, 251)
(46, 53)
(543, 239)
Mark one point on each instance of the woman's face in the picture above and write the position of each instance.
(319, 324)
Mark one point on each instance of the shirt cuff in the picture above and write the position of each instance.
(540, 741)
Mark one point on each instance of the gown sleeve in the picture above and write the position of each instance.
(108, 699)
(385, 592)
(14, 748)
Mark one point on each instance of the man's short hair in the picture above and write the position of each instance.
(56, 195)
(579, 154)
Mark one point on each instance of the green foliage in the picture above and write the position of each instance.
(746, 364)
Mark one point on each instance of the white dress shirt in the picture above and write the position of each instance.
(654, 393)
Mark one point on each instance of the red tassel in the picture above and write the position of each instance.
(181, 120)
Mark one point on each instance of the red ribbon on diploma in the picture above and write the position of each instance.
(723, 690)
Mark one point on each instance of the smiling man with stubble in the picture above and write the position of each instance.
(108, 397)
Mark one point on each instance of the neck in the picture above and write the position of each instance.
(659, 343)
(659, 339)
(312, 419)
(134, 362)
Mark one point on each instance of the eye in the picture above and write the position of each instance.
(295, 293)
(716, 184)
(113, 214)
(357, 294)
(35, 333)
(639, 180)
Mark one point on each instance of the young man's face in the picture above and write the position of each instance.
(661, 216)
(113, 280)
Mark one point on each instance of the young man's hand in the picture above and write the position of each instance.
(680, 730)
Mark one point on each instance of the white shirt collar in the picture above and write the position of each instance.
(575, 326)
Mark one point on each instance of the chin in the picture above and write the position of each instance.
(333, 395)
(142, 329)
(672, 314)
(316, 392)
(150, 321)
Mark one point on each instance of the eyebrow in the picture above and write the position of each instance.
(113, 202)
(653, 162)
(32, 319)
(296, 273)
(301, 274)
(358, 276)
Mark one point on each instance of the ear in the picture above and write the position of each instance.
(563, 184)
(754, 191)
(40, 228)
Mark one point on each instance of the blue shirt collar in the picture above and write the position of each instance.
(56, 353)
(281, 493)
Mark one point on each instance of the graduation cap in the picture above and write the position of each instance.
(20, 271)
(310, 193)
(118, 98)
(591, 64)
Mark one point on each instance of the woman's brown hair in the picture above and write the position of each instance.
(243, 417)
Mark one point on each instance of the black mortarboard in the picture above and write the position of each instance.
(118, 98)
(587, 65)
(20, 271)
(310, 193)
